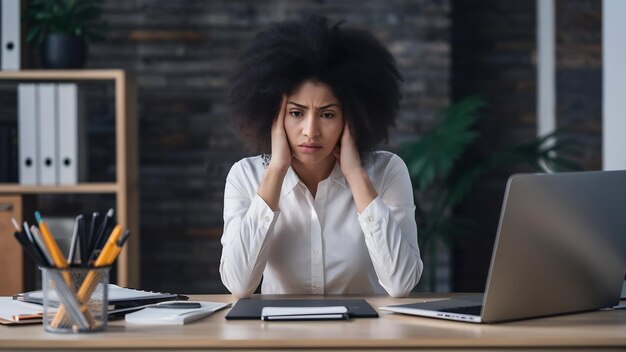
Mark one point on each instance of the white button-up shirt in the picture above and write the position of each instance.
(320, 245)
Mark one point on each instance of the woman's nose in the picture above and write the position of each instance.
(310, 128)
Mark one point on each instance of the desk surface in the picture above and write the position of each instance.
(592, 331)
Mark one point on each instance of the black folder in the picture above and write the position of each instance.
(250, 308)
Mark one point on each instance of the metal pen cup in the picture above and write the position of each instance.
(75, 299)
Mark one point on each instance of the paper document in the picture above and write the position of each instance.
(16, 312)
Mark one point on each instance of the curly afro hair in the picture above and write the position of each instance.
(360, 71)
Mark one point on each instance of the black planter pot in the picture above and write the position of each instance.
(60, 50)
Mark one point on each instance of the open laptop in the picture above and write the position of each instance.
(560, 248)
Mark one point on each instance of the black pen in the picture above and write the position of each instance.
(104, 230)
(91, 234)
(123, 238)
(38, 241)
(82, 237)
(35, 244)
(27, 248)
(21, 237)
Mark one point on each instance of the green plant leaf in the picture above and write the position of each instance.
(438, 164)
(81, 18)
(437, 151)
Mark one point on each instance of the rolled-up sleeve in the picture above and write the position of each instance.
(390, 231)
(248, 225)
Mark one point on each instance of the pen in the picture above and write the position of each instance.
(70, 256)
(103, 230)
(41, 253)
(107, 255)
(90, 235)
(25, 243)
(38, 242)
(29, 236)
(16, 225)
(84, 246)
(57, 257)
(118, 247)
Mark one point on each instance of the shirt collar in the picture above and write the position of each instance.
(292, 179)
(337, 176)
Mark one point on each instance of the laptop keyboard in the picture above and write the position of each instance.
(471, 310)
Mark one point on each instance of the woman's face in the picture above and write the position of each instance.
(313, 123)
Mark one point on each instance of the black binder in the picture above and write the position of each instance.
(250, 308)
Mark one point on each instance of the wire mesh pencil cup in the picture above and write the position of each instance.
(75, 299)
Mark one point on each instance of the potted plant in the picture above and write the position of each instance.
(62, 29)
(442, 177)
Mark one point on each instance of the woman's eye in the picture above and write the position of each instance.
(328, 115)
(295, 113)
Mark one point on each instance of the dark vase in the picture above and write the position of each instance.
(60, 50)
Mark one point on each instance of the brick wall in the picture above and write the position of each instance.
(579, 76)
(182, 53)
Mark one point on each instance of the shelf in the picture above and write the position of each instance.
(62, 75)
(60, 189)
(125, 189)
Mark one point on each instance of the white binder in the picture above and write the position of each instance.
(27, 131)
(71, 135)
(48, 134)
(10, 34)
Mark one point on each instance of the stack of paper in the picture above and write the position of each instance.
(16, 312)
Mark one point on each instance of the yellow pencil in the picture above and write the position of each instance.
(107, 257)
(57, 256)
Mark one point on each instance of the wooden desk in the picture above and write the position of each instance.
(588, 331)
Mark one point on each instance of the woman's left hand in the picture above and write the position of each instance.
(347, 154)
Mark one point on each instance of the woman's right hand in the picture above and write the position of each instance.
(270, 186)
(281, 153)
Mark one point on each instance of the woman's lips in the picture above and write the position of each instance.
(309, 148)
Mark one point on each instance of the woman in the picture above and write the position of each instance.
(323, 214)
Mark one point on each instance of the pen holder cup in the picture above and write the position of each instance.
(75, 299)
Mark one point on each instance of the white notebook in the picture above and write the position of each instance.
(304, 313)
(157, 315)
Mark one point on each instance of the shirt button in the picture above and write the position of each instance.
(370, 218)
(267, 219)
(315, 252)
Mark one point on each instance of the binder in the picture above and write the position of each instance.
(27, 130)
(71, 135)
(118, 297)
(7, 140)
(11, 36)
(48, 134)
